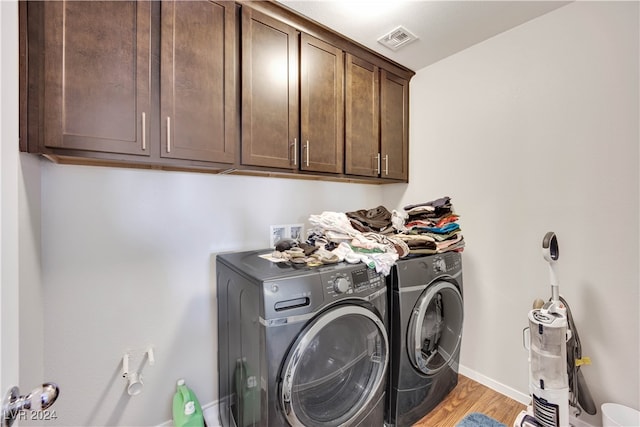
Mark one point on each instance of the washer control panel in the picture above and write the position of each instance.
(353, 281)
(341, 285)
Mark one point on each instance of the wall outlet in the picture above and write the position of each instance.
(296, 231)
(285, 231)
(276, 233)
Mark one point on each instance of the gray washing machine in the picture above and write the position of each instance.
(300, 346)
(426, 313)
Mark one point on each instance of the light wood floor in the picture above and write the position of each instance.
(471, 396)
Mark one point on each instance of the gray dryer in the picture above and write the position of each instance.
(426, 313)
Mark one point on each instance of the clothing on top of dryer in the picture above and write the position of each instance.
(377, 237)
(377, 220)
(435, 207)
(334, 229)
(436, 224)
(442, 221)
(415, 233)
(446, 229)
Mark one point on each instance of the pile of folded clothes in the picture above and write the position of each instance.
(334, 239)
(376, 236)
(432, 227)
(334, 231)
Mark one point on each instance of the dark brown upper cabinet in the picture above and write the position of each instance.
(269, 92)
(377, 122)
(321, 106)
(247, 87)
(97, 76)
(99, 64)
(198, 81)
(394, 126)
(362, 117)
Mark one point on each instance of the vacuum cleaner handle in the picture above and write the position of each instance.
(551, 253)
(550, 249)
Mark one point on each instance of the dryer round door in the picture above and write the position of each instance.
(335, 368)
(435, 328)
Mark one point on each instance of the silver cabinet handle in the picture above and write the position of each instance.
(386, 164)
(295, 151)
(307, 152)
(144, 131)
(378, 163)
(168, 134)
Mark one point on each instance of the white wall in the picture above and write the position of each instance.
(31, 288)
(533, 130)
(20, 284)
(536, 130)
(9, 211)
(126, 260)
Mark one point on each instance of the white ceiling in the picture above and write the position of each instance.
(443, 27)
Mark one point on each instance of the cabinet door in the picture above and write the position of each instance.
(362, 118)
(394, 126)
(269, 91)
(97, 75)
(198, 80)
(321, 106)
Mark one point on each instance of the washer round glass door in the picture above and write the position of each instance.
(435, 328)
(335, 368)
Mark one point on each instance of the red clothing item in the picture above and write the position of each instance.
(447, 219)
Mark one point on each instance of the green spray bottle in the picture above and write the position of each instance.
(186, 408)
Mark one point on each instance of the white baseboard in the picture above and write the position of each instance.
(576, 422)
(525, 399)
(211, 414)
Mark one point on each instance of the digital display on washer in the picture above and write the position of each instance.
(360, 278)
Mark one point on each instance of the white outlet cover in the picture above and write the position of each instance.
(296, 231)
(285, 231)
(277, 233)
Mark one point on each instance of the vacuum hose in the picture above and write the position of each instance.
(577, 383)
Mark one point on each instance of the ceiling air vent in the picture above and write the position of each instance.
(397, 38)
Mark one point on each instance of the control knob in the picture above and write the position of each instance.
(341, 285)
